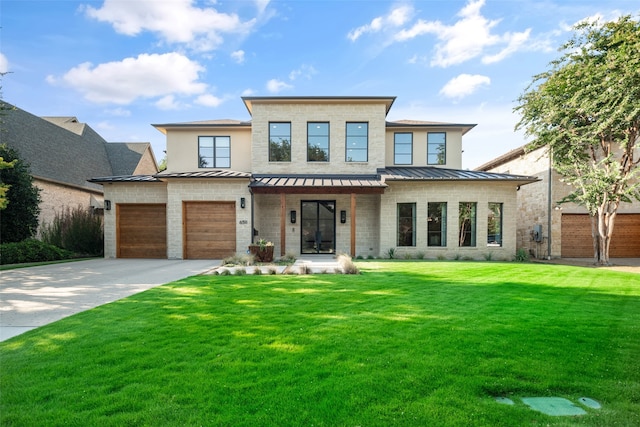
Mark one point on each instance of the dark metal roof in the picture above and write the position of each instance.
(315, 183)
(210, 173)
(428, 173)
(466, 127)
(125, 178)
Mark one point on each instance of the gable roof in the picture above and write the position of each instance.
(65, 151)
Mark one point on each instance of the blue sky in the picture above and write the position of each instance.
(122, 65)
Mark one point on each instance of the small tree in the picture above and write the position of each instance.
(585, 110)
(20, 217)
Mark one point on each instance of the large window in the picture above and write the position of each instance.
(467, 224)
(317, 142)
(357, 142)
(279, 142)
(436, 148)
(402, 148)
(406, 224)
(214, 152)
(437, 224)
(494, 225)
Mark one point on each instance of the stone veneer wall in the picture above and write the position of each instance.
(299, 115)
(181, 190)
(452, 193)
(267, 221)
(127, 193)
(55, 198)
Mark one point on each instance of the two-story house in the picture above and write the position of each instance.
(314, 175)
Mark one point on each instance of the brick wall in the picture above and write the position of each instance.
(453, 194)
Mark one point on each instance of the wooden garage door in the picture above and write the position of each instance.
(209, 229)
(577, 241)
(141, 230)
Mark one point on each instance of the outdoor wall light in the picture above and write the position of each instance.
(242, 202)
(107, 205)
(293, 217)
(343, 217)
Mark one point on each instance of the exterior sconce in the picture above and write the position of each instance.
(107, 205)
(292, 215)
(343, 217)
(242, 202)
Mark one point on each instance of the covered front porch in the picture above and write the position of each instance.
(317, 215)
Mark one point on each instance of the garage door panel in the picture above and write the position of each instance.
(578, 243)
(141, 230)
(209, 229)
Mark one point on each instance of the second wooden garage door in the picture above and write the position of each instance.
(577, 241)
(209, 229)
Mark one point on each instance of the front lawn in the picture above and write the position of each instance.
(405, 343)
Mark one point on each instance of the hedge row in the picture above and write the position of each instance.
(31, 250)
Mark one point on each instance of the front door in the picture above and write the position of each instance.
(318, 227)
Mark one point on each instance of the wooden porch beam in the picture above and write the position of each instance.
(353, 224)
(283, 224)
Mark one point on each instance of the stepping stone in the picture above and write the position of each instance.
(557, 406)
(504, 400)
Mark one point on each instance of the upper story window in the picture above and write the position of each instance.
(279, 142)
(436, 148)
(357, 142)
(403, 148)
(214, 152)
(317, 142)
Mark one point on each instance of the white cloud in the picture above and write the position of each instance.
(175, 21)
(463, 85)
(305, 71)
(119, 112)
(238, 56)
(167, 102)
(467, 38)
(4, 64)
(147, 76)
(395, 18)
(276, 86)
(209, 100)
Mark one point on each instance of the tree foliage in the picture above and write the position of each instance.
(586, 110)
(19, 219)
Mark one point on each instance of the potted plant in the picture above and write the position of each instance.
(262, 250)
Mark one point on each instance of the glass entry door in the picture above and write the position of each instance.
(318, 230)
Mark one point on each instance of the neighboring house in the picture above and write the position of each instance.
(314, 175)
(64, 153)
(539, 212)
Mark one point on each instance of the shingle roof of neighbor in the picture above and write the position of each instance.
(64, 150)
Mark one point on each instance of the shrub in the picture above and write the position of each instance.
(488, 256)
(240, 272)
(392, 253)
(31, 250)
(420, 255)
(522, 255)
(348, 267)
(78, 230)
(239, 259)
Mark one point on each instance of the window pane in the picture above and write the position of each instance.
(437, 224)
(279, 142)
(494, 225)
(317, 142)
(406, 224)
(436, 148)
(357, 142)
(403, 148)
(467, 224)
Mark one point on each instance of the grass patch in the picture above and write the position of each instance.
(403, 343)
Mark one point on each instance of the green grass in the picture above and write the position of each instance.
(405, 343)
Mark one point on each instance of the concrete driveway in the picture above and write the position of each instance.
(34, 296)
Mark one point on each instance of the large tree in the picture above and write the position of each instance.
(19, 220)
(586, 110)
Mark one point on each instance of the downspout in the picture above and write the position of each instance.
(549, 206)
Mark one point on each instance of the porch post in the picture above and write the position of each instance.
(353, 224)
(283, 214)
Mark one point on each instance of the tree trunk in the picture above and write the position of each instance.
(596, 238)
